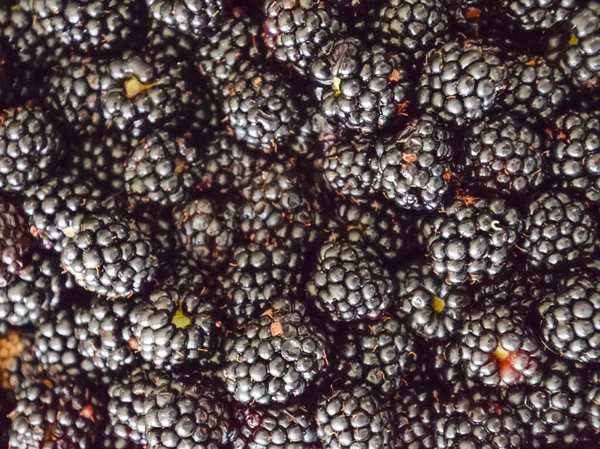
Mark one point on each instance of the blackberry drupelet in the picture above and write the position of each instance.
(104, 333)
(412, 27)
(276, 426)
(109, 255)
(261, 108)
(498, 348)
(534, 86)
(30, 147)
(416, 166)
(56, 203)
(349, 167)
(173, 327)
(558, 230)
(275, 356)
(472, 239)
(505, 155)
(160, 169)
(15, 241)
(298, 32)
(205, 230)
(574, 146)
(348, 284)
(432, 308)
(537, 14)
(66, 415)
(569, 315)
(377, 354)
(353, 417)
(461, 82)
(362, 88)
(196, 17)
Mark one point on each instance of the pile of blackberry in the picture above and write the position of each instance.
(299, 224)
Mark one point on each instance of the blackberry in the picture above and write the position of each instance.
(34, 292)
(275, 356)
(558, 230)
(204, 229)
(575, 153)
(538, 14)
(173, 327)
(471, 239)
(170, 43)
(195, 17)
(353, 417)
(275, 426)
(498, 348)
(48, 414)
(362, 88)
(159, 170)
(223, 53)
(412, 27)
(261, 108)
(348, 284)
(140, 93)
(30, 147)
(574, 47)
(15, 241)
(534, 86)
(104, 333)
(433, 308)
(568, 317)
(478, 419)
(504, 155)
(109, 440)
(54, 204)
(259, 275)
(416, 166)
(377, 354)
(72, 93)
(299, 32)
(349, 167)
(461, 82)
(109, 255)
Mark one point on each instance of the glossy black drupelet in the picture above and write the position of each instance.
(538, 14)
(15, 241)
(195, 17)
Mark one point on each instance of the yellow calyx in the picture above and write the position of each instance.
(438, 304)
(336, 86)
(502, 353)
(134, 87)
(181, 320)
(574, 40)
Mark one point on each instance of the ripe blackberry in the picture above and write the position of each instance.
(109, 255)
(275, 356)
(104, 334)
(259, 275)
(415, 166)
(34, 292)
(575, 153)
(537, 14)
(362, 88)
(353, 417)
(478, 419)
(558, 230)
(299, 31)
(173, 327)
(433, 308)
(73, 94)
(412, 27)
(160, 169)
(505, 155)
(498, 348)
(471, 239)
(461, 82)
(68, 415)
(568, 317)
(276, 426)
(574, 47)
(534, 86)
(349, 167)
(196, 17)
(348, 284)
(261, 108)
(377, 354)
(15, 241)
(139, 92)
(54, 204)
(223, 53)
(30, 147)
